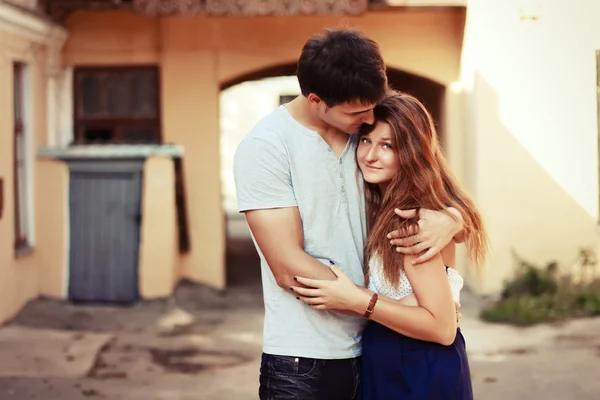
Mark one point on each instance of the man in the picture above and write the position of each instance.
(298, 184)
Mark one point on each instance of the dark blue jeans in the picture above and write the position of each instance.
(297, 378)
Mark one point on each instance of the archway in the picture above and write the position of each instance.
(243, 102)
(430, 93)
(248, 98)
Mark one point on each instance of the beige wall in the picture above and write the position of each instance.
(521, 127)
(192, 122)
(22, 277)
(197, 55)
(530, 146)
(52, 227)
(158, 237)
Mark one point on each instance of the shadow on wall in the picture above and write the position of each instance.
(525, 208)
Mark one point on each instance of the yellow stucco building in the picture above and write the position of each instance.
(115, 117)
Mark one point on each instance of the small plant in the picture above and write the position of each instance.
(539, 294)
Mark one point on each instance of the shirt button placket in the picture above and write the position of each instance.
(343, 187)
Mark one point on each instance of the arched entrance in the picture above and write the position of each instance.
(243, 102)
(430, 93)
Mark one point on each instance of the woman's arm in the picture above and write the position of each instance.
(449, 259)
(410, 300)
(434, 320)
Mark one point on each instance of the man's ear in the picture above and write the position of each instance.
(314, 99)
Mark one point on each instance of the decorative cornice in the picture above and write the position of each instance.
(420, 3)
(248, 8)
(22, 23)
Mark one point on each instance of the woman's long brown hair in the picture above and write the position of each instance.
(423, 181)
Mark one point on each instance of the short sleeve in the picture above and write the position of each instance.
(262, 175)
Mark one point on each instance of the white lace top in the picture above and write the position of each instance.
(379, 284)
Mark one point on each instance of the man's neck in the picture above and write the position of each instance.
(300, 110)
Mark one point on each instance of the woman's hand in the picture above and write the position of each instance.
(337, 295)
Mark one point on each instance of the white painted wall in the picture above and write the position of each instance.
(530, 144)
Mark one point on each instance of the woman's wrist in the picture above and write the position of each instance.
(362, 300)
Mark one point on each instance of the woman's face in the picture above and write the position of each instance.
(377, 160)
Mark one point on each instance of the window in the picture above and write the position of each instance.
(21, 146)
(598, 111)
(286, 98)
(117, 105)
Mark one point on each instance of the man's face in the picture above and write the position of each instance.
(347, 117)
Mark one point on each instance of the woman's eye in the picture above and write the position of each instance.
(365, 140)
(387, 145)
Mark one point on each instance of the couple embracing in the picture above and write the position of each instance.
(355, 216)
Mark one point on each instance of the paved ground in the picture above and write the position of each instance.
(205, 345)
(191, 347)
(550, 362)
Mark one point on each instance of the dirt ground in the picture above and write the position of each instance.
(203, 344)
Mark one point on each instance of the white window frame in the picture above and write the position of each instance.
(598, 123)
(24, 178)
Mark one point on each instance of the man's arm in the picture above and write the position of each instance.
(278, 233)
(266, 196)
(435, 230)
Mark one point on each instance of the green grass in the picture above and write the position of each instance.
(537, 295)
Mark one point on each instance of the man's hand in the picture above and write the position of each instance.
(435, 230)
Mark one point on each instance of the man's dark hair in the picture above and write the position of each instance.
(342, 65)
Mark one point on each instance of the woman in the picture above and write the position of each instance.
(412, 347)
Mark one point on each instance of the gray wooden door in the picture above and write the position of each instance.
(105, 214)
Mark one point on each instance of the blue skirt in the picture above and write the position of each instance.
(397, 367)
